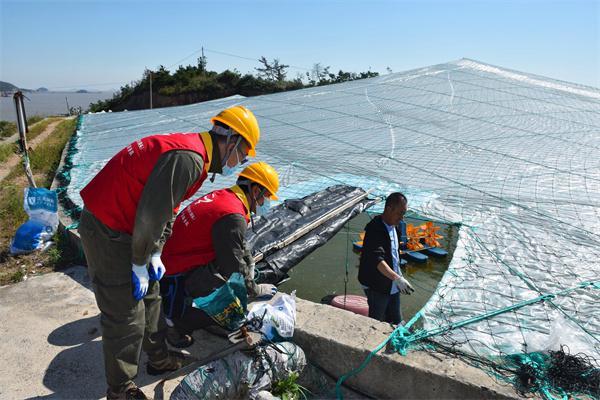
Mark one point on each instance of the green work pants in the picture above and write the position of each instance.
(128, 325)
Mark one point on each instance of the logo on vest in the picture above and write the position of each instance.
(130, 148)
(206, 199)
(187, 216)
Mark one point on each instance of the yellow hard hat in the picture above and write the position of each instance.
(241, 120)
(263, 174)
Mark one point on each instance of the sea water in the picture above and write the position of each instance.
(49, 103)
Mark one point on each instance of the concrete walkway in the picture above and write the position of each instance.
(50, 341)
(51, 348)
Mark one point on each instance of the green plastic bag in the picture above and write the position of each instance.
(228, 304)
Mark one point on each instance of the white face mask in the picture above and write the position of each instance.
(226, 170)
(264, 209)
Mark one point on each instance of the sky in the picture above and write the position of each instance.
(90, 44)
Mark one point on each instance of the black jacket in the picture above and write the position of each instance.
(376, 247)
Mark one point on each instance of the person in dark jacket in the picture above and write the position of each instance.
(208, 245)
(379, 270)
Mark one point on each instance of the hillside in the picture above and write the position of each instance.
(7, 87)
(193, 84)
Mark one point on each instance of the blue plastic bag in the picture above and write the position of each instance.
(228, 304)
(42, 207)
(30, 236)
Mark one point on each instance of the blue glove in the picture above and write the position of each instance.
(140, 279)
(157, 268)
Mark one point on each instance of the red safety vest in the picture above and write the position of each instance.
(190, 244)
(113, 194)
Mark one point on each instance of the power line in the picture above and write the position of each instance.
(229, 55)
(250, 59)
(184, 58)
(171, 66)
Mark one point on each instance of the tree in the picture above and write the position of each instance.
(229, 79)
(318, 75)
(202, 62)
(194, 83)
(272, 71)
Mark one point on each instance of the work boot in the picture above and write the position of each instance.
(178, 339)
(172, 362)
(131, 392)
(217, 330)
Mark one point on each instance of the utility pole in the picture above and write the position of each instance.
(202, 62)
(68, 108)
(23, 129)
(150, 89)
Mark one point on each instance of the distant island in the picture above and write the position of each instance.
(7, 87)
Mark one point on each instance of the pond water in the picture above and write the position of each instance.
(334, 266)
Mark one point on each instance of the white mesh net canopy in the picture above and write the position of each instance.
(511, 157)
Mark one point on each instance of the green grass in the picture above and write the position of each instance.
(61, 255)
(17, 276)
(289, 389)
(45, 159)
(54, 253)
(7, 129)
(11, 207)
(6, 150)
(38, 128)
(34, 119)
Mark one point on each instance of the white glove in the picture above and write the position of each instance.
(404, 286)
(265, 290)
(140, 279)
(157, 268)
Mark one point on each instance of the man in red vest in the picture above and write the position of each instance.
(128, 210)
(208, 245)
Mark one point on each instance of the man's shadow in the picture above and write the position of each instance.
(78, 371)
